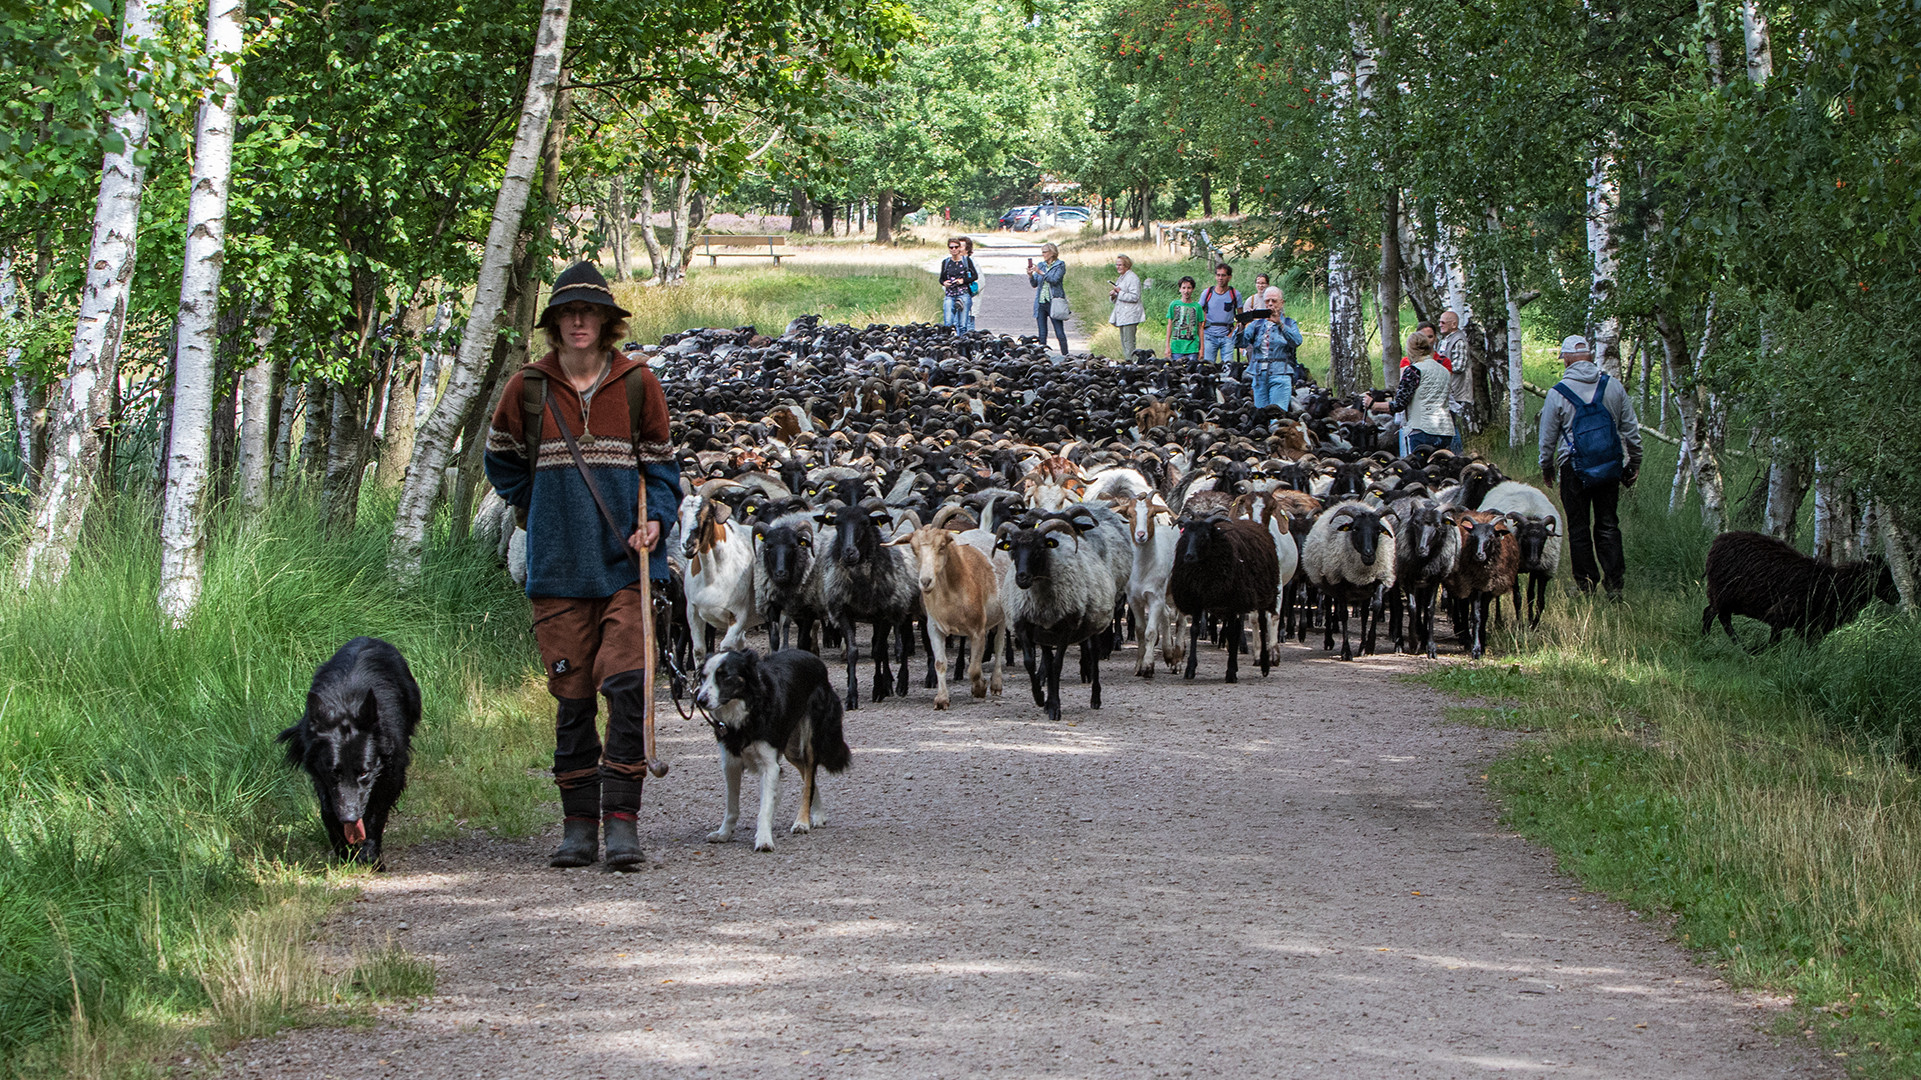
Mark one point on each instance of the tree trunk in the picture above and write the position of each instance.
(69, 475)
(435, 441)
(1207, 196)
(1478, 373)
(1787, 485)
(617, 227)
(183, 543)
(318, 431)
(346, 459)
(1516, 379)
(800, 213)
(288, 412)
(700, 210)
(884, 217)
(17, 371)
(1754, 26)
(1700, 412)
(1388, 294)
(397, 425)
(1604, 327)
(656, 258)
(677, 241)
(1346, 331)
(1833, 515)
(256, 421)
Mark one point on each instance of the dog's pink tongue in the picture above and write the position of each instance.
(356, 832)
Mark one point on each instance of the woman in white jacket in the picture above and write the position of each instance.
(1129, 312)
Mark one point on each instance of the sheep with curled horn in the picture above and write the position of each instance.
(869, 581)
(1056, 591)
(1349, 556)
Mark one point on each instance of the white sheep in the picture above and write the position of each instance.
(1349, 555)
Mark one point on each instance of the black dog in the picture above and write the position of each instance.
(767, 708)
(355, 741)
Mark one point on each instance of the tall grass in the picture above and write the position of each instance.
(1765, 797)
(768, 297)
(146, 818)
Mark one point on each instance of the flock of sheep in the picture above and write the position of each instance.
(968, 489)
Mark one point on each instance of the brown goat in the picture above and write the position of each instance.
(961, 594)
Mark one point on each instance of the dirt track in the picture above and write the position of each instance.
(1297, 876)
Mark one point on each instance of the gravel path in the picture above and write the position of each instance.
(1262, 880)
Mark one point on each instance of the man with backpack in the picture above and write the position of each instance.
(1218, 306)
(579, 446)
(1591, 440)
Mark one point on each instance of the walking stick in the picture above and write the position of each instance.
(654, 764)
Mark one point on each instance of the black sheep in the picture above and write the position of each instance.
(1755, 575)
(1227, 569)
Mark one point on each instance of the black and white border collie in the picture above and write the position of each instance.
(769, 707)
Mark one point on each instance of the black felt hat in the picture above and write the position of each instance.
(581, 282)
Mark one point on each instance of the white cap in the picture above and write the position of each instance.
(1575, 344)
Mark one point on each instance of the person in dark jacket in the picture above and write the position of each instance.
(581, 576)
(1595, 548)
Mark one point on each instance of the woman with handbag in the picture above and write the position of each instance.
(1050, 294)
(957, 276)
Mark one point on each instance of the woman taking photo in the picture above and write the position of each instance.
(1129, 313)
(1050, 295)
(957, 277)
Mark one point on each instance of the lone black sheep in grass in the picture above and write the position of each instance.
(1755, 575)
(355, 740)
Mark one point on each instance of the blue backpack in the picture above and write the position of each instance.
(1594, 445)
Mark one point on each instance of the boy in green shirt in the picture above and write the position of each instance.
(1184, 326)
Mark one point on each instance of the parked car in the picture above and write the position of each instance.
(1073, 215)
(1017, 218)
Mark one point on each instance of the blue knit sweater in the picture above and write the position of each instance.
(570, 550)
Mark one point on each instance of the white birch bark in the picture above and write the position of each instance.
(677, 245)
(73, 444)
(1754, 27)
(1705, 434)
(1603, 196)
(1516, 379)
(22, 396)
(183, 510)
(256, 419)
(433, 442)
(1347, 325)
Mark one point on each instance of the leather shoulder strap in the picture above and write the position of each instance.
(533, 396)
(636, 402)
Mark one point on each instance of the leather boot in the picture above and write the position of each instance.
(580, 844)
(619, 808)
(577, 774)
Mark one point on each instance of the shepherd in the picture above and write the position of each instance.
(579, 446)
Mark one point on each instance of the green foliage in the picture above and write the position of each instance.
(146, 802)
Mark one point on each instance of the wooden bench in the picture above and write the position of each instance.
(765, 247)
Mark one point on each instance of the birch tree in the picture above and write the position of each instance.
(256, 417)
(434, 442)
(1604, 326)
(183, 510)
(73, 445)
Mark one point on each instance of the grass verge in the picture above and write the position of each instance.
(1764, 798)
(768, 297)
(161, 870)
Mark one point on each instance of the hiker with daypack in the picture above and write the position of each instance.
(1591, 440)
(1219, 304)
(579, 447)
